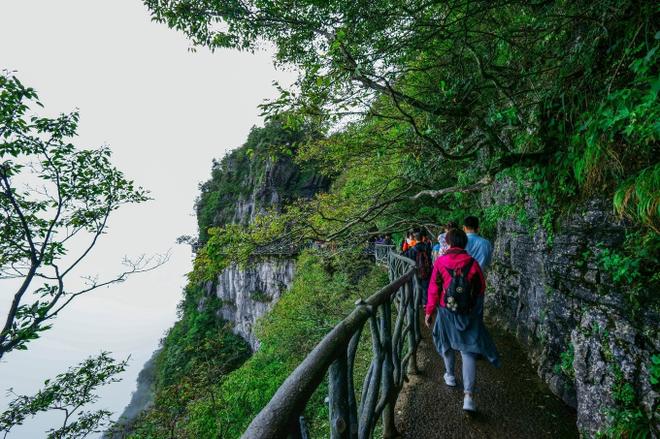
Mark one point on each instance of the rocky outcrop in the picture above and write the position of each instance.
(259, 176)
(278, 182)
(250, 292)
(560, 303)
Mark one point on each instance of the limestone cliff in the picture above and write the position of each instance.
(567, 311)
(246, 182)
(254, 178)
(248, 293)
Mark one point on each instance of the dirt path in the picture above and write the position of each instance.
(511, 401)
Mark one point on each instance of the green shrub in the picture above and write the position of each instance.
(197, 353)
(635, 269)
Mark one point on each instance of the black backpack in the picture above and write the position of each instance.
(460, 296)
(423, 263)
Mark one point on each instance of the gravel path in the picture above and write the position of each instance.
(511, 401)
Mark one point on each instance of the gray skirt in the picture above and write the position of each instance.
(465, 333)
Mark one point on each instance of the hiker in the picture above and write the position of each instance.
(456, 296)
(426, 244)
(409, 242)
(388, 240)
(441, 247)
(421, 254)
(404, 243)
(478, 247)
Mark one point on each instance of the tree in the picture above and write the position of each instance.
(68, 393)
(52, 195)
(464, 76)
(449, 86)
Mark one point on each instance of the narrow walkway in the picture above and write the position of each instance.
(512, 402)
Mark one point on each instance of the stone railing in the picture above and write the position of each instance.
(392, 314)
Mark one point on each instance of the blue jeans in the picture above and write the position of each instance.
(469, 367)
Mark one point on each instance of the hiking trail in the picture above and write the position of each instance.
(512, 402)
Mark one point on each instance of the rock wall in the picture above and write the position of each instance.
(272, 187)
(248, 293)
(560, 303)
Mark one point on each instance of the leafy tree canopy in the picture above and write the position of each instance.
(446, 96)
(52, 194)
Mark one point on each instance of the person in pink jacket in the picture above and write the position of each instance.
(459, 328)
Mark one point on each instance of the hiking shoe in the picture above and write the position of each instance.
(450, 380)
(468, 404)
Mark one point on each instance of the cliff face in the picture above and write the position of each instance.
(567, 311)
(272, 186)
(254, 178)
(249, 293)
(248, 181)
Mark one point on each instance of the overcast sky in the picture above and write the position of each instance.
(165, 113)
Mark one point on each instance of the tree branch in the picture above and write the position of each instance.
(476, 187)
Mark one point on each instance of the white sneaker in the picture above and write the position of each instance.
(468, 404)
(450, 380)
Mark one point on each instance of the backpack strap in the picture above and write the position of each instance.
(465, 270)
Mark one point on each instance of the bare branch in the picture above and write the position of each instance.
(476, 187)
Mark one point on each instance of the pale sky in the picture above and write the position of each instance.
(165, 113)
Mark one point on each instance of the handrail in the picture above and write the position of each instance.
(381, 252)
(392, 361)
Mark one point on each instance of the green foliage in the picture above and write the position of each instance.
(318, 299)
(52, 195)
(260, 296)
(559, 97)
(635, 269)
(69, 393)
(638, 197)
(459, 76)
(199, 339)
(224, 245)
(565, 365)
(235, 243)
(243, 171)
(626, 116)
(654, 370)
(197, 354)
(323, 293)
(627, 420)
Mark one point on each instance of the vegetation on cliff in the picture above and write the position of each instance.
(426, 104)
(197, 354)
(418, 108)
(261, 168)
(200, 392)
